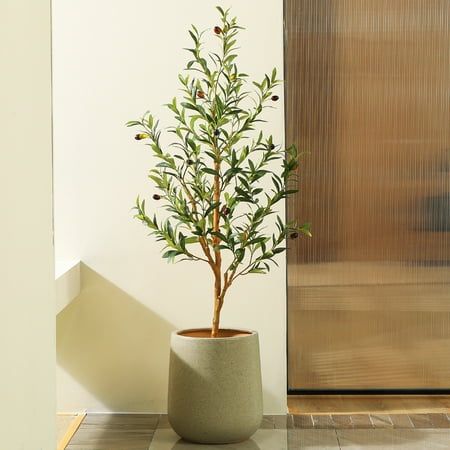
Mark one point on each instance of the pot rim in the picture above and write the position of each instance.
(248, 333)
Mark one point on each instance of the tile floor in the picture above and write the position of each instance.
(153, 432)
(320, 439)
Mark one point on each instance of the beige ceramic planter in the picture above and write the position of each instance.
(215, 393)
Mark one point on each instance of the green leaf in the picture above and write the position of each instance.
(305, 229)
(190, 106)
(261, 271)
(171, 254)
(219, 235)
(193, 36)
(210, 171)
(133, 123)
(211, 208)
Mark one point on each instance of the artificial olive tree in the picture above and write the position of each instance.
(222, 178)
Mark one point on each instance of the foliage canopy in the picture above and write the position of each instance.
(210, 178)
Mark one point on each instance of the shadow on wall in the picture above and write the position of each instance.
(114, 346)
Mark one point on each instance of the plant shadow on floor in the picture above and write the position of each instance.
(114, 346)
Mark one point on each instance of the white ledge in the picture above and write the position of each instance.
(67, 278)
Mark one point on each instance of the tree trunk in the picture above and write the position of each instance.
(218, 257)
(217, 305)
(216, 319)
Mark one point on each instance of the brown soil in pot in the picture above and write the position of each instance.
(206, 333)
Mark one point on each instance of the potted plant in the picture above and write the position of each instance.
(210, 180)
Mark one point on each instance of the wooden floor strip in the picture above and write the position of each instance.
(71, 430)
(368, 404)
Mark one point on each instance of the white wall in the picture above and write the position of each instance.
(27, 303)
(112, 62)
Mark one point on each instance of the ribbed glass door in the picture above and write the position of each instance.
(367, 95)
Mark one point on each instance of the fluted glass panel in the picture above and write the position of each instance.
(367, 97)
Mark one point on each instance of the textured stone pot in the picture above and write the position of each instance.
(215, 393)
